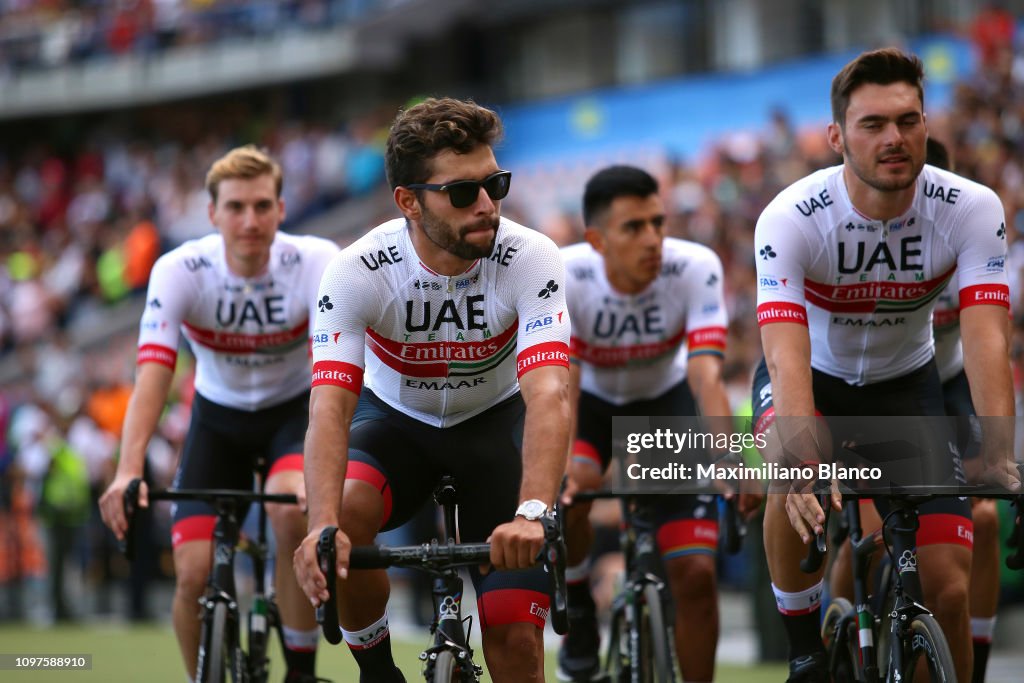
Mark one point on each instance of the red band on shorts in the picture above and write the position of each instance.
(765, 421)
(360, 471)
(286, 463)
(945, 528)
(683, 537)
(586, 452)
(513, 606)
(195, 528)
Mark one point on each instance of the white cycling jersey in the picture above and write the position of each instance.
(949, 349)
(634, 347)
(439, 348)
(250, 336)
(866, 288)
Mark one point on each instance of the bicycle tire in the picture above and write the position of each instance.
(655, 631)
(214, 640)
(444, 668)
(841, 648)
(616, 663)
(928, 643)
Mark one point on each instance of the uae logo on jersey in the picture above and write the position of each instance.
(549, 288)
(325, 304)
(767, 252)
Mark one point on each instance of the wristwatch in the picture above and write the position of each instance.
(532, 509)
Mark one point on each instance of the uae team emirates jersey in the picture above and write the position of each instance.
(866, 288)
(439, 348)
(634, 347)
(250, 336)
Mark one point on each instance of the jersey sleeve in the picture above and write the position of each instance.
(538, 295)
(318, 255)
(345, 304)
(980, 243)
(167, 298)
(706, 316)
(782, 256)
(574, 285)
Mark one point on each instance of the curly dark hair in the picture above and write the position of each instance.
(419, 133)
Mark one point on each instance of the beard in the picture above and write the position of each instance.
(883, 184)
(453, 240)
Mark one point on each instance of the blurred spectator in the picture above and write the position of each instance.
(992, 33)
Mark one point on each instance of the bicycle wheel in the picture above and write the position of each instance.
(616, 663)
(927, 647)
(213, 645)
(655, 639)
(444, 668)
(841, 646)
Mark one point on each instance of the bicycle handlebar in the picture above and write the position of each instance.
(327, 612)
(131, 504)
(435, 556)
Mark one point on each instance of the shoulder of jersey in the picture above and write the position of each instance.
(809, 186)
(579, 253)
(950, 181)
(206, 247)
(509, 230)
(307, 242)
(384, 233)
(675, 249)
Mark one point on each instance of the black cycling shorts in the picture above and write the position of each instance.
(918, 393)
(956, 395)
(404, 459)
(687, 524)
(222, 449)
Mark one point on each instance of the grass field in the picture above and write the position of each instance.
(148, 654)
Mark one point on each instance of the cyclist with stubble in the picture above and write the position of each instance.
(441, 347)
(850, 260)
(244, 299)
(648, 338)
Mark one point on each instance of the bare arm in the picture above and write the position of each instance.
(546, 434)
(704, 373)
(515, 544)
(986, 338)
(152, 385)
(325, 459)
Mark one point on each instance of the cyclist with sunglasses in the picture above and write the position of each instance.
(441, 347)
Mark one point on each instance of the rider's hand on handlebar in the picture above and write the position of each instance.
(804, 511)
(112, 503)
(307, 569)
(516, 544)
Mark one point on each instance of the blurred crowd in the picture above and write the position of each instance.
(79, 230)
(40, 34)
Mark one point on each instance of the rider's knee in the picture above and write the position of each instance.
(362, 511)
(986, 520)
(517, 644)
(692, 579)
(191, 571)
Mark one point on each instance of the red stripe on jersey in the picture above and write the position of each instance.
(431, 359)
(706, 340)
(232, 342)
(781, 312)
(617, 356)
(155, 353)
(998, 295)
(539, 355)
(338, 374)
(865, 297)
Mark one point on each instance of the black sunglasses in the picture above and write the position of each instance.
(463, 193)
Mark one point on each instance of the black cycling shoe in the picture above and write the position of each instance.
(809, 669)
(578, 659)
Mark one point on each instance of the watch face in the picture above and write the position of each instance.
(532, 509)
